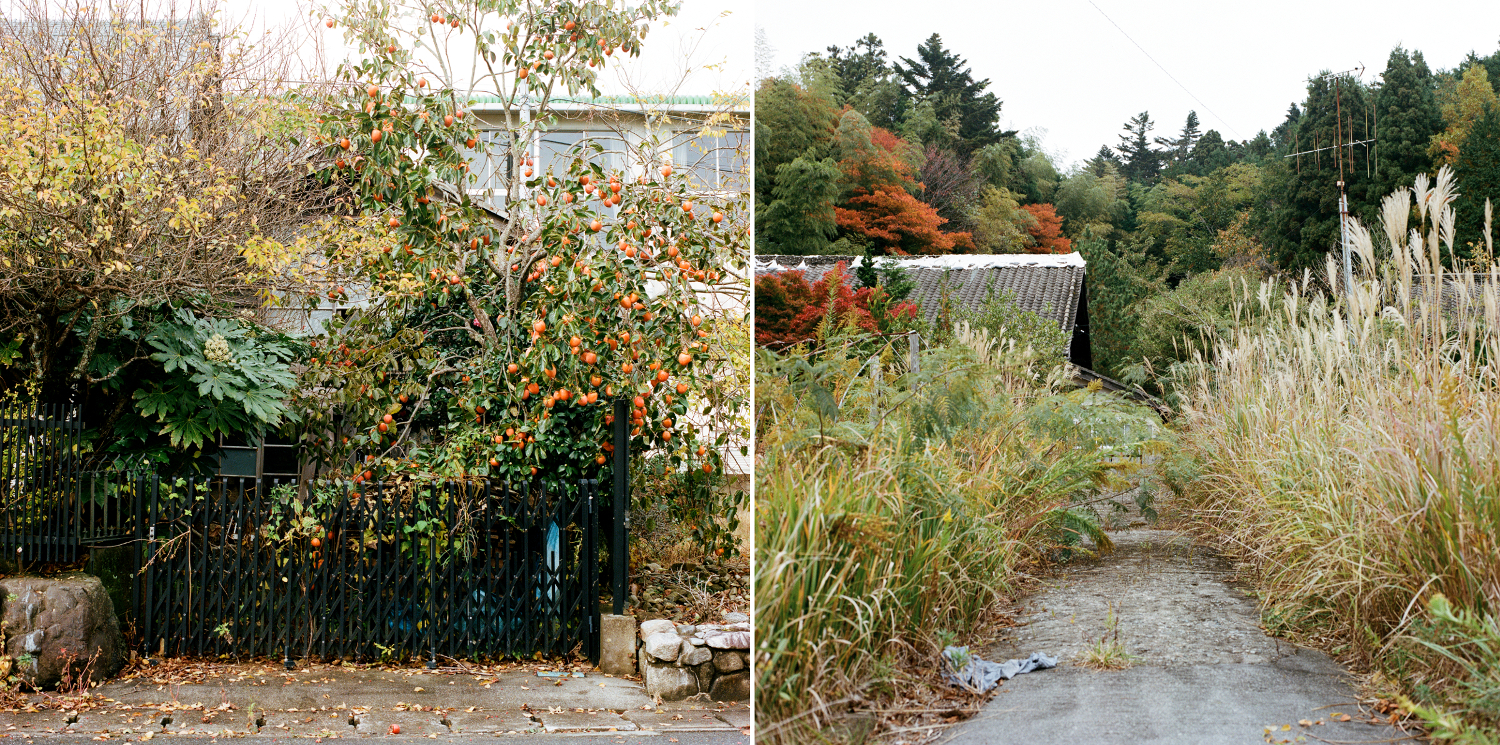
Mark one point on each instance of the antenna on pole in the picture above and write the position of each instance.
(1338, 156)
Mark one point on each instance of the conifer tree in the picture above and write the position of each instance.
(1478, 174)
(1407, 116)
(1142, 162)
(943, 79)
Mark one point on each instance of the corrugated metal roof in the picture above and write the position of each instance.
(1048, 287)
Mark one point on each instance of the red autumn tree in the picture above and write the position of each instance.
(779, 298)
(788, 310)
(880, 206)
(896, 222)
(870, 157)
(1046, 232)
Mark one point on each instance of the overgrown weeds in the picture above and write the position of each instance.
(893, 502)
(1108, 652)
(1349, 450)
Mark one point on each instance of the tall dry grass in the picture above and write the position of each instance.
(1349, 450)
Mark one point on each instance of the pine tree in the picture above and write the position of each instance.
(862, 61)
(943, 79)
(1142, 162)
(868, 83)
(1284, 136)
(1099, 164)
(1208, 155)
(1179, 149)
(1407, 117)
(1257, 147)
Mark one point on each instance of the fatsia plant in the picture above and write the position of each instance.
(221, 377)
(495, 328)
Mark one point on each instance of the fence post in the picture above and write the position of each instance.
(591, 561)
(137, 547)
(913, 358)
(874, 390)
(432, 589)
(291, 583)
(619, 551)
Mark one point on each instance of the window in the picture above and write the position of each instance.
(715, 162)
(275, 458)
(493, 166)
(556, 150)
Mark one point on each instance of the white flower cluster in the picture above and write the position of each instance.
(216, 350)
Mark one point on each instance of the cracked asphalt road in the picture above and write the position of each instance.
(1205, 672)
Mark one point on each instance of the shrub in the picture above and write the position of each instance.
(1005, 320)
(789, 311)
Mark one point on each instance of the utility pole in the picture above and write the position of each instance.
(1338, 137)
(1338, 152)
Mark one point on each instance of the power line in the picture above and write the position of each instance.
(1164, 70)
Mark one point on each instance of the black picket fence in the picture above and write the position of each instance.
(42, 505)
(257, 567)
(390, 570)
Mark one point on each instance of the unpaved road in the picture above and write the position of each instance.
(1205, 673)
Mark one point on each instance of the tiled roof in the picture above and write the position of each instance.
(1048, 285)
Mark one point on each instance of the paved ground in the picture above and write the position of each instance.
(1204, 672)
(260, 702)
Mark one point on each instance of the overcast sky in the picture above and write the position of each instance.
(706, 48)
(1061, 65)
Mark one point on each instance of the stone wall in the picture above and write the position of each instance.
(678, 661)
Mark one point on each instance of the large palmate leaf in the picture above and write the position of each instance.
(190, 429)
(220, 383)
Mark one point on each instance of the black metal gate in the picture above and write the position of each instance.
(425, 569)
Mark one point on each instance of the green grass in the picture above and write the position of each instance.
(1108, 652)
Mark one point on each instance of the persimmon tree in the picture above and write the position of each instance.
(486, 334)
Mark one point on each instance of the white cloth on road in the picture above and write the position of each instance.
(981, 675)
